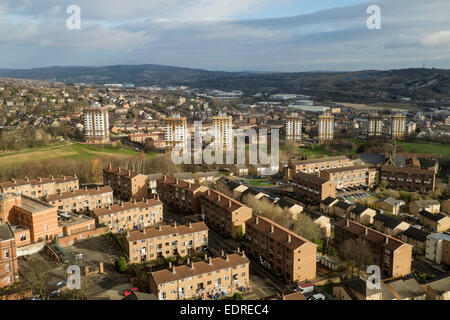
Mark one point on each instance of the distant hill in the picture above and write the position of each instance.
(362, 86)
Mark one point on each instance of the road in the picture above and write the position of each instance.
(267, 283)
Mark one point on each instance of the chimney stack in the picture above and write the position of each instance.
(143, 231)
(347, 223)
(387, 240)
(222, 253)
(206, 257)
(227, 257)
(174, 224)
(189, 185)
(190, 224)
(134, 201)
(210, 261)
(192, 265)
(159, 228)
(271, 228)
(243, 254)
(176, 181)
(121, 203)
(239, 250)
(85, 188)
(188, 261)
(366, 231)
(218, 197)
(209, 192)
(229, 203)
(289, 238)
(256, 220)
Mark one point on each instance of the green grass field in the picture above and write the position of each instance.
(66, 150)
(416, 147)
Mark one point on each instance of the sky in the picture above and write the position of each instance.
(228, 35)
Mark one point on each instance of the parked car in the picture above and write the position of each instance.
(126, 293)
(317, 296)
(54, 294)
(304, 288)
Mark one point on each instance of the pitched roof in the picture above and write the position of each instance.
(359, 285)
(328, 201)
(121, 172)
(39, 181)
(201, 267)
(126, 206)
(343, 205)
(415, 234)
(280, 233)
(318, 160)
(372, 235)
(79, 192)
(433, 217)
(6, 232)
(222, 200)
(440, 286)
(388, 221)
(390, 201)
(358, 209)
(163, 230)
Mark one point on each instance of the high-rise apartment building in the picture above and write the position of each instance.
(222, 127)
(375, 125)
(176, 130)
(294, 127)
(398, 126)
(96, 124)
(326, 127)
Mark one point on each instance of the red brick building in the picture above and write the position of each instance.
(288, 254)
(9, 273)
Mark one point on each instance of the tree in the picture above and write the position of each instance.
(237, 296)
(121, 265)
(37, 275)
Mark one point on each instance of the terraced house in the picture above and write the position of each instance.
(285, 252)
(224, 214)
(40, 187)
(351, 176)
(129, 215)
(222, 275)
(315, 166)
(409, 178)
(166, 241)
(127, 185)
(82, 199)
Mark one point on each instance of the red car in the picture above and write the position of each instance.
(126, 293)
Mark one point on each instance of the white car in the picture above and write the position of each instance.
(317, 296)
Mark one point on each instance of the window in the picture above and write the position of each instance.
(6, 253)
